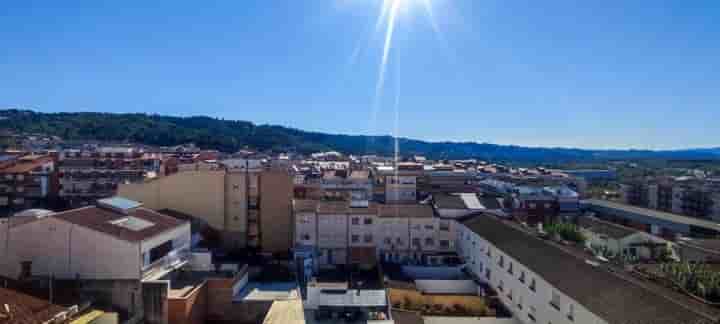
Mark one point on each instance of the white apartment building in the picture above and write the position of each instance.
(540, 283)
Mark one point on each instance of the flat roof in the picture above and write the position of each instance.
(604, 294)
(674, 218)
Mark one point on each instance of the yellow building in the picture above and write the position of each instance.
(249, 207)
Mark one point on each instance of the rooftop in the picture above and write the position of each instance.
(603, 227)
(137, 225)
(405, 211)
(655, 214)
(343, 207)
(25, 166)
(605, 294)
(25, 309)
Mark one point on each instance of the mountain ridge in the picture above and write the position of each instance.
(231, 135)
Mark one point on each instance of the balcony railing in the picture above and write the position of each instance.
(173, 259)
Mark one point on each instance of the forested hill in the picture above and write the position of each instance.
(231, 135)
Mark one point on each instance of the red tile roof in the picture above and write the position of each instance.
(26, 166)
(25, 309)
(99, 219)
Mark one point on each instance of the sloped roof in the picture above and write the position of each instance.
(603, 227)
(604, 294)
(101, 220)
(25, 309)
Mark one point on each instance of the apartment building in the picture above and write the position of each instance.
(447, 179)
(89, 174)
(689, 197)
(248, 204)
(398, 184)
(539, 283)
(26, 182)
(112, 247)
(396, 232)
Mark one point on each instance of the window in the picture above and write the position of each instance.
(571, 312)
(510, 267)
(501, 261)
(555, 300)
(445, 244)
(355, 221)
(355, 238)
(547, 206)
(368, 221)
(429, 227)
(522, 276)
(368, 238)
(444, 225)
(532, 206)
(487, 273)
(236, 187)
(398, 241)
(532, 284)
(305, 237)
(416, 242)
(429, 241)
(388, 241)
(500, 285)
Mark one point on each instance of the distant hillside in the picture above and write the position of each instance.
(231, 135)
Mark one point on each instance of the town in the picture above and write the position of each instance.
(95, 232)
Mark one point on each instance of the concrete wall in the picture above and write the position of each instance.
(394, 229)
(65, 250)
(306, 225)
(332, 231)
(236, 203)
(361, 230)
(189, 309)
(276, 222)
(197, 193)
(460, 287)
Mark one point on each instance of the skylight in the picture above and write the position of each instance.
(132, 223)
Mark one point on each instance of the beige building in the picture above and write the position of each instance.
(240, 203)
(398, 232)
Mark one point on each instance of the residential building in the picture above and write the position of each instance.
(395, 232)
(610, 239)
(359, 292)
(458, 205)
(89, 174)
(685, 196)
(540, 283)
(447, 179)
(398, 184)
(248, 204)
(27, 182)
(659, 223)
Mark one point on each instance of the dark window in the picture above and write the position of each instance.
(160, 251)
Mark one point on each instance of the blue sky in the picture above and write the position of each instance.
(593, 74)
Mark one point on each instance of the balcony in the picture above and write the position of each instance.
(173, 260)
